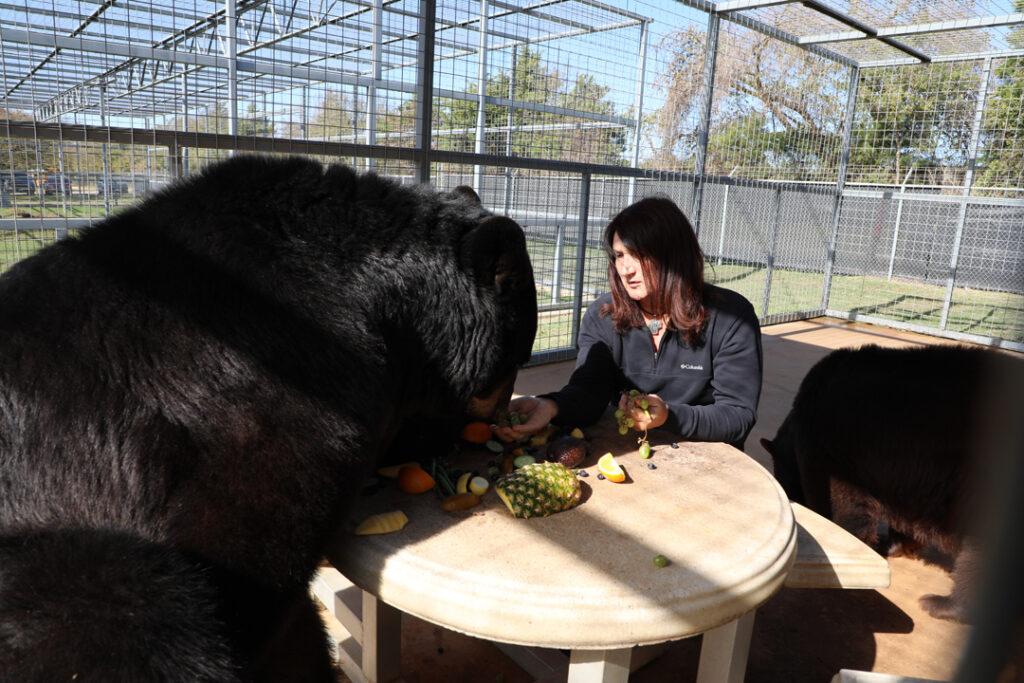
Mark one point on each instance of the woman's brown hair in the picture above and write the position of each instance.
(661, 237)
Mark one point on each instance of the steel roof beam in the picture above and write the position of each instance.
(918, 29)
(769, 30)
(960, 57)
(739, 5)
(871, 31)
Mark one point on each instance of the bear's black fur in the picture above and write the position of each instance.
(882, 436)
(192, 391)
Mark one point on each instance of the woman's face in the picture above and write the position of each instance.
(630, 271)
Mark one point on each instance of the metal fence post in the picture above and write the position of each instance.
(105, 152)
(899, 220)
(638, 106)
(771, 252)
(481, 98)
(968, 184)
(581, 257)
(844, 161)
(231, 52)
(556, 279)
(183, 169)
(375, 72)
(721, 226)
(425, 89)
(510, 121)
(710, 55)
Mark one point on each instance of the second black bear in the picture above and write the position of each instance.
(192, 391)
(882, 436)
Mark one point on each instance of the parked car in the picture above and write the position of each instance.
(56, 183)
(17, 181)
(111, 187)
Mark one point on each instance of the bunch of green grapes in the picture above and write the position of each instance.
(509, 418)
(634, 401)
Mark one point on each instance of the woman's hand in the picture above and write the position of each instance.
(538, 413)
(656, 408)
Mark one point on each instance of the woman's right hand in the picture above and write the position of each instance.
(538, 413)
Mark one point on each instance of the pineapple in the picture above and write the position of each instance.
(539, 490)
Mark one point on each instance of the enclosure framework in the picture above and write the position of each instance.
(136, 73)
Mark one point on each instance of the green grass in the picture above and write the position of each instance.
(995, 314)
(51, 209)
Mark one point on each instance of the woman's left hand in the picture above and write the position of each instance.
(656, 408)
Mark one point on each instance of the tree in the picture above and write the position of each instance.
(914, 117)
(776, 109)
(255, 123)
(573, 139)
(1002, 154)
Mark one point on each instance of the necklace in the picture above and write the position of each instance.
(654, 326)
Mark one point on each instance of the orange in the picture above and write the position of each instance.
(414, 479)
(610, 469)
(477, 432)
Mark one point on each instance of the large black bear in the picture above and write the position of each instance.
(881, 436)
(192, 391)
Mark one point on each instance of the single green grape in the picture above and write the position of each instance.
(660, 561)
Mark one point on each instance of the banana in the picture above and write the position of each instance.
(462, 486)
(384, 523)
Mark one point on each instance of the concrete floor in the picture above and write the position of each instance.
(799, 635)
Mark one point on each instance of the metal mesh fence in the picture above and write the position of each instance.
(560, 114)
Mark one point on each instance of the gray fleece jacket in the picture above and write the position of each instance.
(711, 390)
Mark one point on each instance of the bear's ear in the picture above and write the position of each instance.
(494, 250)
(467, 192)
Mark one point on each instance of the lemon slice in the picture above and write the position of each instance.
(610, 469)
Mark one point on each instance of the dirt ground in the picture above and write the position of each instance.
(799, 634)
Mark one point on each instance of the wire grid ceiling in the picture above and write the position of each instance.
(331, 42)
(916, 23)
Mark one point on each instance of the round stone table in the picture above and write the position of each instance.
(585, 580)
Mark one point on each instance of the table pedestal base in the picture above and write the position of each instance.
(367, 635)
(724, 651)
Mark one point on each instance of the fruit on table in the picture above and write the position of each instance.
(541, 437)
(539, 490)
(576, 433)
(523, 460)
(610, 469)
(494, 446)
(462, 486)
(460, 501)
(660, 561)
(645, 450)
(568, 450)
(414, 479)
(477, 432)
(479, 485)
(384, 523)
(391, 471)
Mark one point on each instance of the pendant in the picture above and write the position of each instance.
(654, 326)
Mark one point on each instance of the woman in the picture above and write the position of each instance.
(694, 347)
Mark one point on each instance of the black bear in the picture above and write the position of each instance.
(880, 436)
(192, 391)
